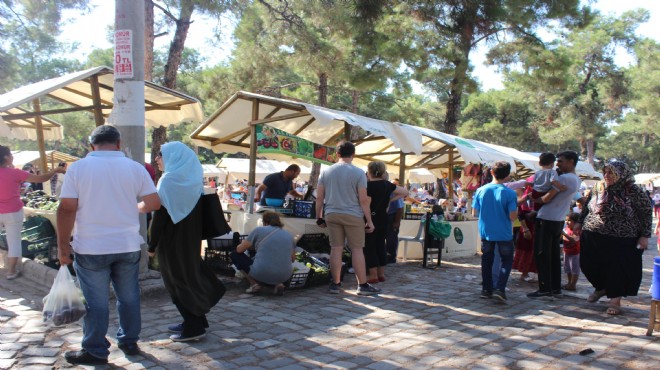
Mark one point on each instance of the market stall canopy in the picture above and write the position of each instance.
(93, 90)
(420, 176)
(648, 178)
(25, 128)
(239, 169)
(583, 169)
(228, 129)
(23, 157)
(211, 170)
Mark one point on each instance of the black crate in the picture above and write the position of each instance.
(413, 216)
(298, 280)
(37, 248)
(219, 260)
(224, 243)
(314, 243)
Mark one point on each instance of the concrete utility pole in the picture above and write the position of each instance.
(128, 111)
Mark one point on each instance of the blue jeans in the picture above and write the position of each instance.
(95, 272)
(487, 258)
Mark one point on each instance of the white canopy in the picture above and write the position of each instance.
(647, 178)
(24, 128)
(239, 169)
(210, 170)
(420, 176)
(23, 157)
(163, 106)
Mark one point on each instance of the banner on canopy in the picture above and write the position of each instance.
(272, 140)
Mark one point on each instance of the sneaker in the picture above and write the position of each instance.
(334, 288)
(83, 357)
(367, 289)
(129, 349)
(500, 295)
(176, 328)
(486, 294)
(240, 274)
(186, 338)
(14, 275)
(539, 294)
(557, 293)
(351, 270)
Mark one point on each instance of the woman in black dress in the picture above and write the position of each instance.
(176, 234)
(615, 227)
(381, 193)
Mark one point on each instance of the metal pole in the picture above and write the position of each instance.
(128, 97)
(253, 157)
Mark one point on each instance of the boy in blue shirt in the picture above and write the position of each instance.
(496, 206)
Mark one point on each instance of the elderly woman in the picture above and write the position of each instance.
(275, 249)
(11, 206)
(615, 227)
(176, 235)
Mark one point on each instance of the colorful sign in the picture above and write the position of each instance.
(272, 140)
(123, 54)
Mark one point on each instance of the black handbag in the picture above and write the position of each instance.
(213, 217)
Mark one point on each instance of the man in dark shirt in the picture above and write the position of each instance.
(278, 185)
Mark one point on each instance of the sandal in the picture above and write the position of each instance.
(381, 279)
(568, 287)
(253, 289)
(279, 289)
(614, 310)
(596, 295)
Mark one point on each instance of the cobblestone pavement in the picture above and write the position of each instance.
(424, 319)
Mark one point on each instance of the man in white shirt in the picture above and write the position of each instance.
(99, 196)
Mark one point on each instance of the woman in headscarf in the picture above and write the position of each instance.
(615, 227)
(176, 234)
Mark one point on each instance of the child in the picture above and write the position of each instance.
(545, 178)
(571, 252)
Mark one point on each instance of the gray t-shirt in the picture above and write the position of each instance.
(272, 264)
(341, 182)
(543, 180)
(560, 205)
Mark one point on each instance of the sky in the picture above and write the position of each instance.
(90, 32)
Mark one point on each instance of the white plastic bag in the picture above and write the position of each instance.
(64, 303)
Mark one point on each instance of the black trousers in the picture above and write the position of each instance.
(391, 239)
(547, 236)
(192, 324)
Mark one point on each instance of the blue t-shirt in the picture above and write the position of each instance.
(277, 187)
(495, 202)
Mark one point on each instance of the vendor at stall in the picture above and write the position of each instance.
(277, 185)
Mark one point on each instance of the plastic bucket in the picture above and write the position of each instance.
(655, 285)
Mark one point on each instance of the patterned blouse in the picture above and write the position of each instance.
(624, 216)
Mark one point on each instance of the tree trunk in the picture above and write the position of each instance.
(158, 138)
(458, 81)
(148, 40)
(323, 101)
(355, 107)
(178, 42)
(590, 151)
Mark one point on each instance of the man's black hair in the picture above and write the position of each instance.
(547, 159)
(501, 169)
(293, 167)
(105, 134)
(570, 155)
(346, 149)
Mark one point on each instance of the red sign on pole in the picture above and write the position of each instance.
(123, 54)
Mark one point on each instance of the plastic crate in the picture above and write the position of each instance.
(225, 243)
(219, 260)
(40, 247)
(304, 209)
(314, 243)
(413, 216)
(299, 280)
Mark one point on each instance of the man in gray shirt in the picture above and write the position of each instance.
(549, 224)
(342, 190)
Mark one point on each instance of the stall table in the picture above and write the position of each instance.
(464, 240)
(244, 222)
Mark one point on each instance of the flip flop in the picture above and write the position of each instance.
(595, 296)
(614, 310)
(569, 288)
(253, 289)
(279, 289)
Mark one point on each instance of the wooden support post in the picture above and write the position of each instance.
(96, 101)
(253, 157)
(36, 106)
(450, 185)
(402, 168)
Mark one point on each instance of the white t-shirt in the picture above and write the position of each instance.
(107, 185)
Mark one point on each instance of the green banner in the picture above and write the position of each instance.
(272, 140)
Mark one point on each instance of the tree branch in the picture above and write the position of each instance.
(168, 13)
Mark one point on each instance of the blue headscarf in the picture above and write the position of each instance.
(182, 184)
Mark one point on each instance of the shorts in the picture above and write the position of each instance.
(342, 227)
(572, 264)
